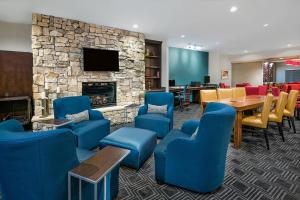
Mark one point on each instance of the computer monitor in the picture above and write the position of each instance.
(206, 79)
(171, 83)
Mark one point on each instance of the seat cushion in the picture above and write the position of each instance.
(254, 121)
(141, 142)
(83, 154)
(274, 118)
(90, 132)
(287, 113)
(158, 123)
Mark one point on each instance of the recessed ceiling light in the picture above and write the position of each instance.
(266, 25)
(246, 51)
(289, 45)
(135, 25)
(233, 9)
(182, 36)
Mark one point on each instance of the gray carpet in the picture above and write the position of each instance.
(251, 172)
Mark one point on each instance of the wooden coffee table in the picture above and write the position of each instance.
(96, 168)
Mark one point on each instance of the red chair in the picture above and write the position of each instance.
(223, 85)
(285, 87)
(262, 90)
(251, 90)
(242, 84)
(275, 91)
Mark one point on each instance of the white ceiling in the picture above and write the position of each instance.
(204, 22)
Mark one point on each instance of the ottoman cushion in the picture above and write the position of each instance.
(141, 142)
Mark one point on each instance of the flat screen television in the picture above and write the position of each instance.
(100, 60)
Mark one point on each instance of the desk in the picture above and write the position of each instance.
(96, 168)
(195, 90)
(242, 104)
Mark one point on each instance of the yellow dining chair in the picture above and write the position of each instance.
(289, 110)
(261, 121)
(277, 114)
(238, 92)
(207, 95)
(224, 93)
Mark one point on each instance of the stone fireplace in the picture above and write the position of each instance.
(101, 94)
(57, 45)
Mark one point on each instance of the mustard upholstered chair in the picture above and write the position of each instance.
(238, 92)
(224, 93)
(261, 121)
(207, 95)
(290, 108)
(277, 114)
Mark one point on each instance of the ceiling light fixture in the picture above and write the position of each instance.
(246, 51)
(135, 26)
(266, 25)
(233, 9)
(289, 45)
(182, 36)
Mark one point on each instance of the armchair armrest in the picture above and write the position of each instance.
(190, 126)
(142, 110)
(95, 115)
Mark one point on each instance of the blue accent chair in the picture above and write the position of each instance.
(88, 133)
(196, 162)
(35, 165)
(159, 123)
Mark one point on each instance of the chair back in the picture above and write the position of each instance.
(262, 90)
(275, 91)
(251, 90)
(266, 110)
(70, 105)
(212, 140)
(224, 93)
(280, 105)
(35, 165)
(238, 92)
(292, 101)
(159, 98)
(207, 95)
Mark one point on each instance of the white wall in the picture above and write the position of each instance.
(251, 72)
(165, 66)
(15, 37)
(218, 62)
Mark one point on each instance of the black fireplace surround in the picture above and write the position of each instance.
(101, 94)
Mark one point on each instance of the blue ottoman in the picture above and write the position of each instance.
(141, 142)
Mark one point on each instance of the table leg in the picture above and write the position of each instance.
(238, 130)
(95, 191)
(80, 195)
(104, 183)
(69, 187)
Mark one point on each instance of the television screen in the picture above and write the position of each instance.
(100, 60)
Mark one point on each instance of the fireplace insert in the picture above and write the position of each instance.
(101, 94)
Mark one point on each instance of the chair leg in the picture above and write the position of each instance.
(293, 124)
(280, 130)
(289, 121)
(298, 113)
(266, 138)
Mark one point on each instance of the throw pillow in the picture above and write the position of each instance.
(157, 109)
(78, 117)
(195, 133)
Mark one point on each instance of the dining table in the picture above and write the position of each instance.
(241, 104)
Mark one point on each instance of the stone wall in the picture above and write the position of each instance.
(57, 58)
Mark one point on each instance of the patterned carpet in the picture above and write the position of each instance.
(251, 172)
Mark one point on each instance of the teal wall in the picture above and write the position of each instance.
(187, 65)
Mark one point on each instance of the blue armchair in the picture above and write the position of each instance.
(159, 123)
(88, 133)
(196, 162)
(35, 165)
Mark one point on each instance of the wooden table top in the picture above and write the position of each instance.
(95, 168)
(244, 103)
